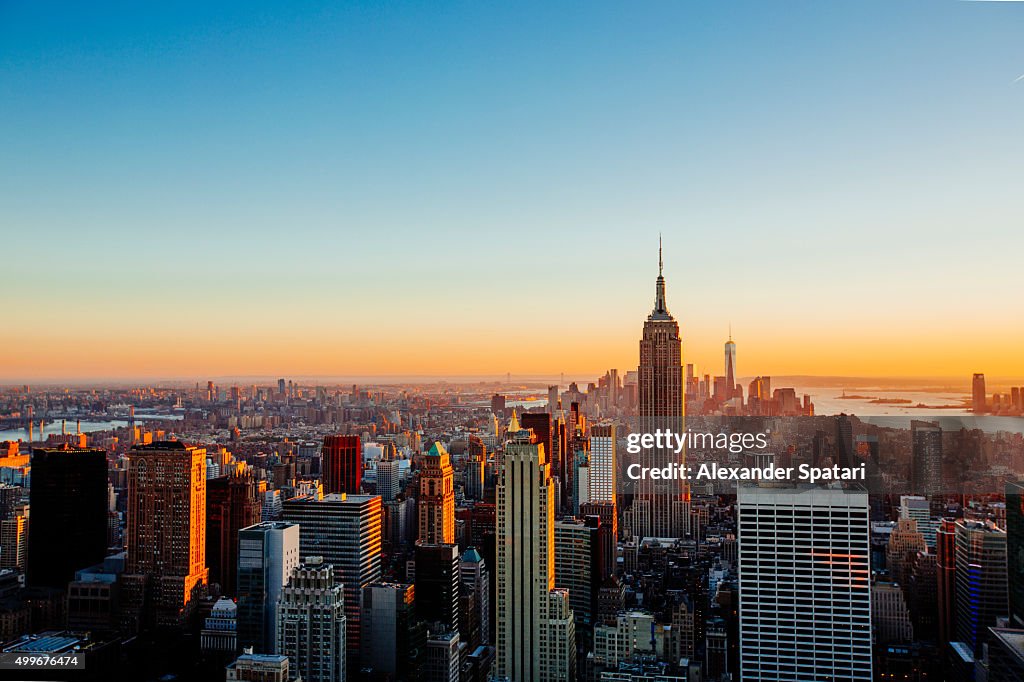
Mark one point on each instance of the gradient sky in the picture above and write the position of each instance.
(297, 188)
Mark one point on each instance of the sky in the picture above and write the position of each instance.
(307, 188)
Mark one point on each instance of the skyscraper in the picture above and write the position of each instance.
(1015, 551)
(267, 554)
(603, 464)
(436, 504)
(165, 573)
(68, 502)
(388, 484)
(978, 397)
(536, 630)
(926, 465)
(437, 585)
(804, 579)
(730, 366)
(342, 464)
(311, 622)
(232, 503)
(980, 579)
(388, 612)
(346, 531)
(660, 506)
(475, 578)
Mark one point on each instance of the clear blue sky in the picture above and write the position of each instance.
(276, 172)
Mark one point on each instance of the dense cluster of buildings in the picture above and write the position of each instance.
(442, 533)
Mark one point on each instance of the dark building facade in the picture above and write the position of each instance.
(68, 498)
(342, 464)
(232, 503)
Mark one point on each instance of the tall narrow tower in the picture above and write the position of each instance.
(730, 365)
(660, 506)
(536, 628)
(437, 497)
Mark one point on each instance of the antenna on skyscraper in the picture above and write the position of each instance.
(659, 255)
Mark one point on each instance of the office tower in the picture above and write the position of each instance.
(68, 499)
(267, 554)
(220, 629)
(844, 441)
(890, 616)
(388, 479)
(660, 506)
(978, 396)
(554, 403)
(603, 464)
(259, 668)
(730, 367)
(232, 503)
(476, 468)
(577, 566)
(905, 542)
(917, 508)
(536, 630)
(945, 570)
(272, 506)
(342, 464)
(13, 542)
(346, 531)
(926, 471)
(436, 503)
(607, 533)
(540, 423)
(10, 496)
(165, 574)
(437, 585)
(980, 581)
(441, 658)
(475, 578)
(805, 595)
(1015, 551)
(498, 405)
(388, 614)
(311, 622)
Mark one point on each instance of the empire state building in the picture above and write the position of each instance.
(661, 507)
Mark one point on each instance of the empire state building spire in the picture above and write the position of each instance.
(660, 311)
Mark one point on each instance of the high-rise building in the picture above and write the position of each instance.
(917, 508)
(1015, 551)
(730, 366)
(437, 584)
(346, 531)
(441, 658)
(476, 579)
(342, 464)
(603, 464)
(577, 565)
(436, 503)
(13, 542)
(926, 467)
(388, 479)
(978, 396)
(267, 554)
(804, 582)
(945, 570)
(660, 506)
(220, 629)
(980, 577)
(232, 503)
(388, 613)
(165, 573)
(68, 502)
(536, 630)
(311, 622)
(890, 616)
(476, 468)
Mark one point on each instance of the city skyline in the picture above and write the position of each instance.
(385, 183)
